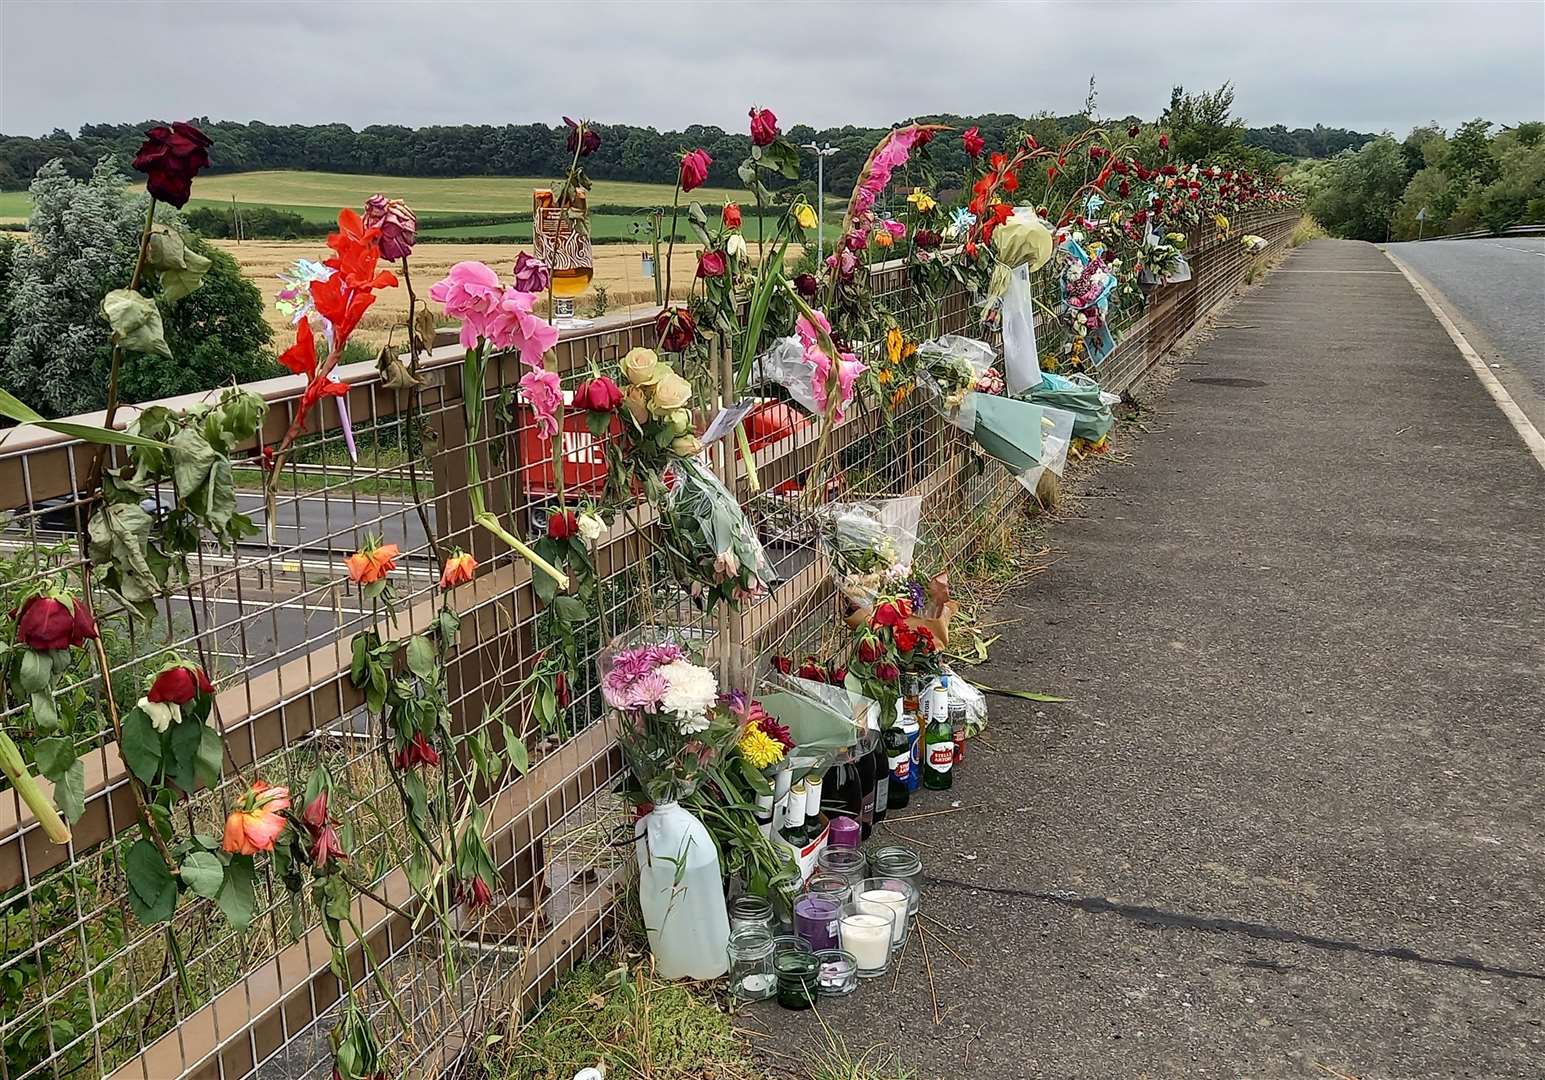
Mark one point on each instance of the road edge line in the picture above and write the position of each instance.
(1504, 401)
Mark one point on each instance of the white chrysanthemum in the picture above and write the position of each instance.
(690, 693)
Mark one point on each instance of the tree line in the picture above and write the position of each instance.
(1480, 176)
(627, 152)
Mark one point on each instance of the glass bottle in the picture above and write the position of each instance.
(867, 780)
(882, 779)
(560, 236)
(898, 761)
(939, 739)
(794, 833)
(912, 724)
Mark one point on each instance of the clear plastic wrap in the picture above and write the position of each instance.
(869, 544)
(708, 533)
(784, 363)
(951, 366)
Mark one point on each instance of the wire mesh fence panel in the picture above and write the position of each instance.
(87, 990)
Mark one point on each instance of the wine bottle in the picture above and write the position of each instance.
(898, 755)
(867, 781)
(794, 832)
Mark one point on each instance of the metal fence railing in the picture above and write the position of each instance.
(87, 991)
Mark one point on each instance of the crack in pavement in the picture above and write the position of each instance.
(1157, 918)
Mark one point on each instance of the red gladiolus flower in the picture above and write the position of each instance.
(561, 690)
(731, 216)
(417, 752)
(178, 685)
(887, 672)
(1051, 172)
(675, 328)
(1124, 189)
(694, 169)
(971, 139)
(711, 264)
(600, 394)
(1123, 166)
(1104, 177)
(170, 158)
(971, 249)
(562, 524)
(764, 126)
(44, 623)
(1096, 152)
(1163, 142)
(476, 896)
(1031, 144)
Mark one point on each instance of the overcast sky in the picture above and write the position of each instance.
(668, 63)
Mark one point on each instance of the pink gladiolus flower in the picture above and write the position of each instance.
(543, 391)
(511, 325)
(848, 367)
(470, 292)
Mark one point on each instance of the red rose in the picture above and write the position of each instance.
(324, 847)
(764, 127)
(837, 675)
(870, 649)
(925, 639)
(675, 328)
(85, 625)
(782, 664)
(927, 239)
(731, 216)
(694, 169)
(887, 672)
(906, 638)
(891, 613)
(812, 669)
(972, 141)
(1124, 189)
(178, 685)
(600, 394)
(924, 137)
(562, 524)
(170, 158)
(808, 285)
(1163, 142)
(711, 264)
(1133, 130)
(44, 623)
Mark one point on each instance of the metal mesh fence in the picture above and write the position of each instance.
(87, 991)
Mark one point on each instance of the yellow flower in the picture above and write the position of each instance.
(921, 201)
(893, 343)
(759, 748)
(641, 367)
(884, 377)
(686, 446)
(805, 215)
(883, 238)
(671, 392)
(1221, 222)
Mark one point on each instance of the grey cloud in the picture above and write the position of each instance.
(670, 63)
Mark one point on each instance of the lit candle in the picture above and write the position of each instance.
(867, 935)
(892, 900)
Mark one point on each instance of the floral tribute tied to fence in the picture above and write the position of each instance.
(341, 709)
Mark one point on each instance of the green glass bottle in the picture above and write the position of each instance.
(939, 739)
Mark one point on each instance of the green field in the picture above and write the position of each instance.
(316, 196)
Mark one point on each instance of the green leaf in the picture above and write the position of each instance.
(782, 156)
(37, 671)
(422, 659)
(759, 783)
(183, 743)
(570, 609)
(152, 889)
(14, 408)
(45, 711)
(136, 322)
(54, 756)
(1024, 695)
(207, 760)
(182, 269)
(238, 894)
(203, 873)
(141, 746)
(119, 542)
(70, 791)
(698, 220)
(520, 758)
(545, 587)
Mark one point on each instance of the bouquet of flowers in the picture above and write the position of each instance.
(715, 547)
(1254, 244)
(887, 644)
(1086, 282)
(1163, 259)
(656, 421)
(869, 545)
(673, 725)
(952, 365)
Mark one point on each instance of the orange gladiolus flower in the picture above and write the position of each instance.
(257, 820)
(883, 239)
(372, 563)
(459, 569)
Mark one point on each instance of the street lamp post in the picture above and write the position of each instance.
(821, 154)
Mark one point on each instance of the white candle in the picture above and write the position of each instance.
(880, 900)
(868, 937)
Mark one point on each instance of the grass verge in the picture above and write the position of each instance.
(1306, 230)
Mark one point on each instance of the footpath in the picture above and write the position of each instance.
(1293, 822)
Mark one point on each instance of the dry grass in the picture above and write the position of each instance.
(617, 267)
(1306, 230)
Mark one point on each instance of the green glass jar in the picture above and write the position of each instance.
(798, 979)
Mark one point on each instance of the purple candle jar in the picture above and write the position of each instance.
(844, 833)
(815, 920)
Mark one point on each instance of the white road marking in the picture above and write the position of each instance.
(1334, 271)
(1521, 423)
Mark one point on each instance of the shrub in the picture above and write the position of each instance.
(83, 242)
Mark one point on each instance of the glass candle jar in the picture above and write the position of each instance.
(838, 972)
(783, 943)
(889, 894)
(751, 964)
(899, 862)
(798, 979)
(866, 933)
(848, 864)
(751, 911)
(815, 919)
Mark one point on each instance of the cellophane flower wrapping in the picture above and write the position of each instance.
(665, 686)
(951, 366)
(869, 545)
(827, 723)
(709, 533)
(784, 363)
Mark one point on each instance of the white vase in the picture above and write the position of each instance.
(681, 892)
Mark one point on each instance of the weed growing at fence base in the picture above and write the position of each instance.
(1306, 230)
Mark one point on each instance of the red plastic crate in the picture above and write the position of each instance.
(584, 455)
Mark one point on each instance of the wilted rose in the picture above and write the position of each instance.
(887, 672)
(170, 158)
(532, 275)
(675, 328)
(45, 623)
(731, 216)
(398, 225)
(562, 524)
(417, 752)
(808, 285)
(586, 145)
(178, 685)
(600, 394)
(710, 264)
(764, 126)
(694, 169)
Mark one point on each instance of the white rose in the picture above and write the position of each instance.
(163, 714)
(736, 245)
(591, 526)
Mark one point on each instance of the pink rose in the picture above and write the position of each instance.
(694, 168)
(710, 264)
(764, 126)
